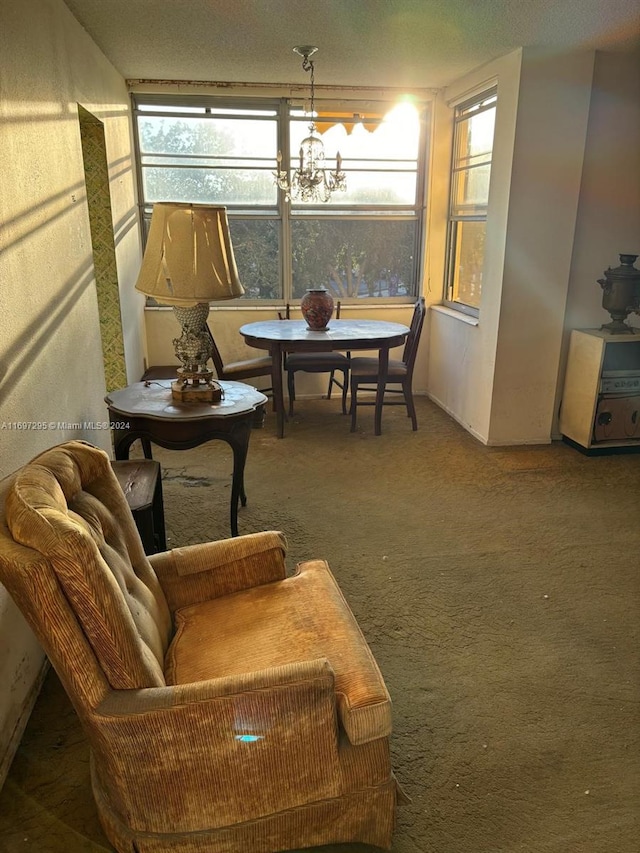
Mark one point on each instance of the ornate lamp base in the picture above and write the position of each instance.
(195, 383)
(195, 388)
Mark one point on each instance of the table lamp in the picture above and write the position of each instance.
(188, 263)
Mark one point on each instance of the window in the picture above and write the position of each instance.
(364, 243)
(474, 124)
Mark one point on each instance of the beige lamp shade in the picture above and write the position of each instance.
(189, 257)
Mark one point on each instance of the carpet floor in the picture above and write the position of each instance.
(499, 591)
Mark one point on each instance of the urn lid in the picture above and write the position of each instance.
(625, 271)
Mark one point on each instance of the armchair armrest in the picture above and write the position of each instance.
(199, 573)
(239, 736)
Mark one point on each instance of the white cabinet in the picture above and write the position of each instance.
(601, 399)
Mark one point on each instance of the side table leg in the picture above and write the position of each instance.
(158, 515)
(122, 441)
(238, 439)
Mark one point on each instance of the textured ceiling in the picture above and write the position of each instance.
(390, 43)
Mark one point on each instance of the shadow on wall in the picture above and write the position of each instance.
(41, 330)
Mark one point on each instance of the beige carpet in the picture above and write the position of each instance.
(499, 590)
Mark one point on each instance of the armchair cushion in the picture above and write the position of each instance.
(300, 618)
(197, 573)
(73, 511)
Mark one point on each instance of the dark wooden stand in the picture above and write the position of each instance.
(141, 482)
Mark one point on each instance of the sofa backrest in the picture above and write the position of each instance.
(67, 506)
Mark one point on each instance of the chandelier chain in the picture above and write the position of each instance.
(310, 67)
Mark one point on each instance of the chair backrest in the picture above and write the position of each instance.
(215, 356)
(72, 559)
(413, 338)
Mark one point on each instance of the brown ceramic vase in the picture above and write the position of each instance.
(317, 308)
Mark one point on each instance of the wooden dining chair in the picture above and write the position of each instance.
(236, 371)
(319, 362)
(365, 371)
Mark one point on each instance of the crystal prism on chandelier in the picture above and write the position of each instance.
(311, 181)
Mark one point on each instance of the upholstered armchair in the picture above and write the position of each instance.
(228, 707)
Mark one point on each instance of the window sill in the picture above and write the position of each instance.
(469, 319)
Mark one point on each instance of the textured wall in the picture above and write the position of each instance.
(51, 366)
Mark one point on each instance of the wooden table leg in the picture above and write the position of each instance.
(383, 371)
(239, 441)
(122, 441)
(276, 384)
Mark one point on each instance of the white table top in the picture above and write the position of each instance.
(338, 331)
(153, 400)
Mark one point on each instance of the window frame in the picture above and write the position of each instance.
(286, 214)
(464, 110)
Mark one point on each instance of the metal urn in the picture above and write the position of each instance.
(621, 295)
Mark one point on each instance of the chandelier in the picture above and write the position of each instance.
(311, 181)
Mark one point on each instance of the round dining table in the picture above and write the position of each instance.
(284, 336)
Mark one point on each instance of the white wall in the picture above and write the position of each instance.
(461, 356)
(608, 219)
(551, 130)
(51, 366)
(498, 378)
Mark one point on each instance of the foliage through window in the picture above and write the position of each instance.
(362, 244)
(470, 174)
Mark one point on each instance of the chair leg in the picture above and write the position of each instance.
(354, 404)
(345, 388)
(331, 381)
(291, 385)
(411, 409)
